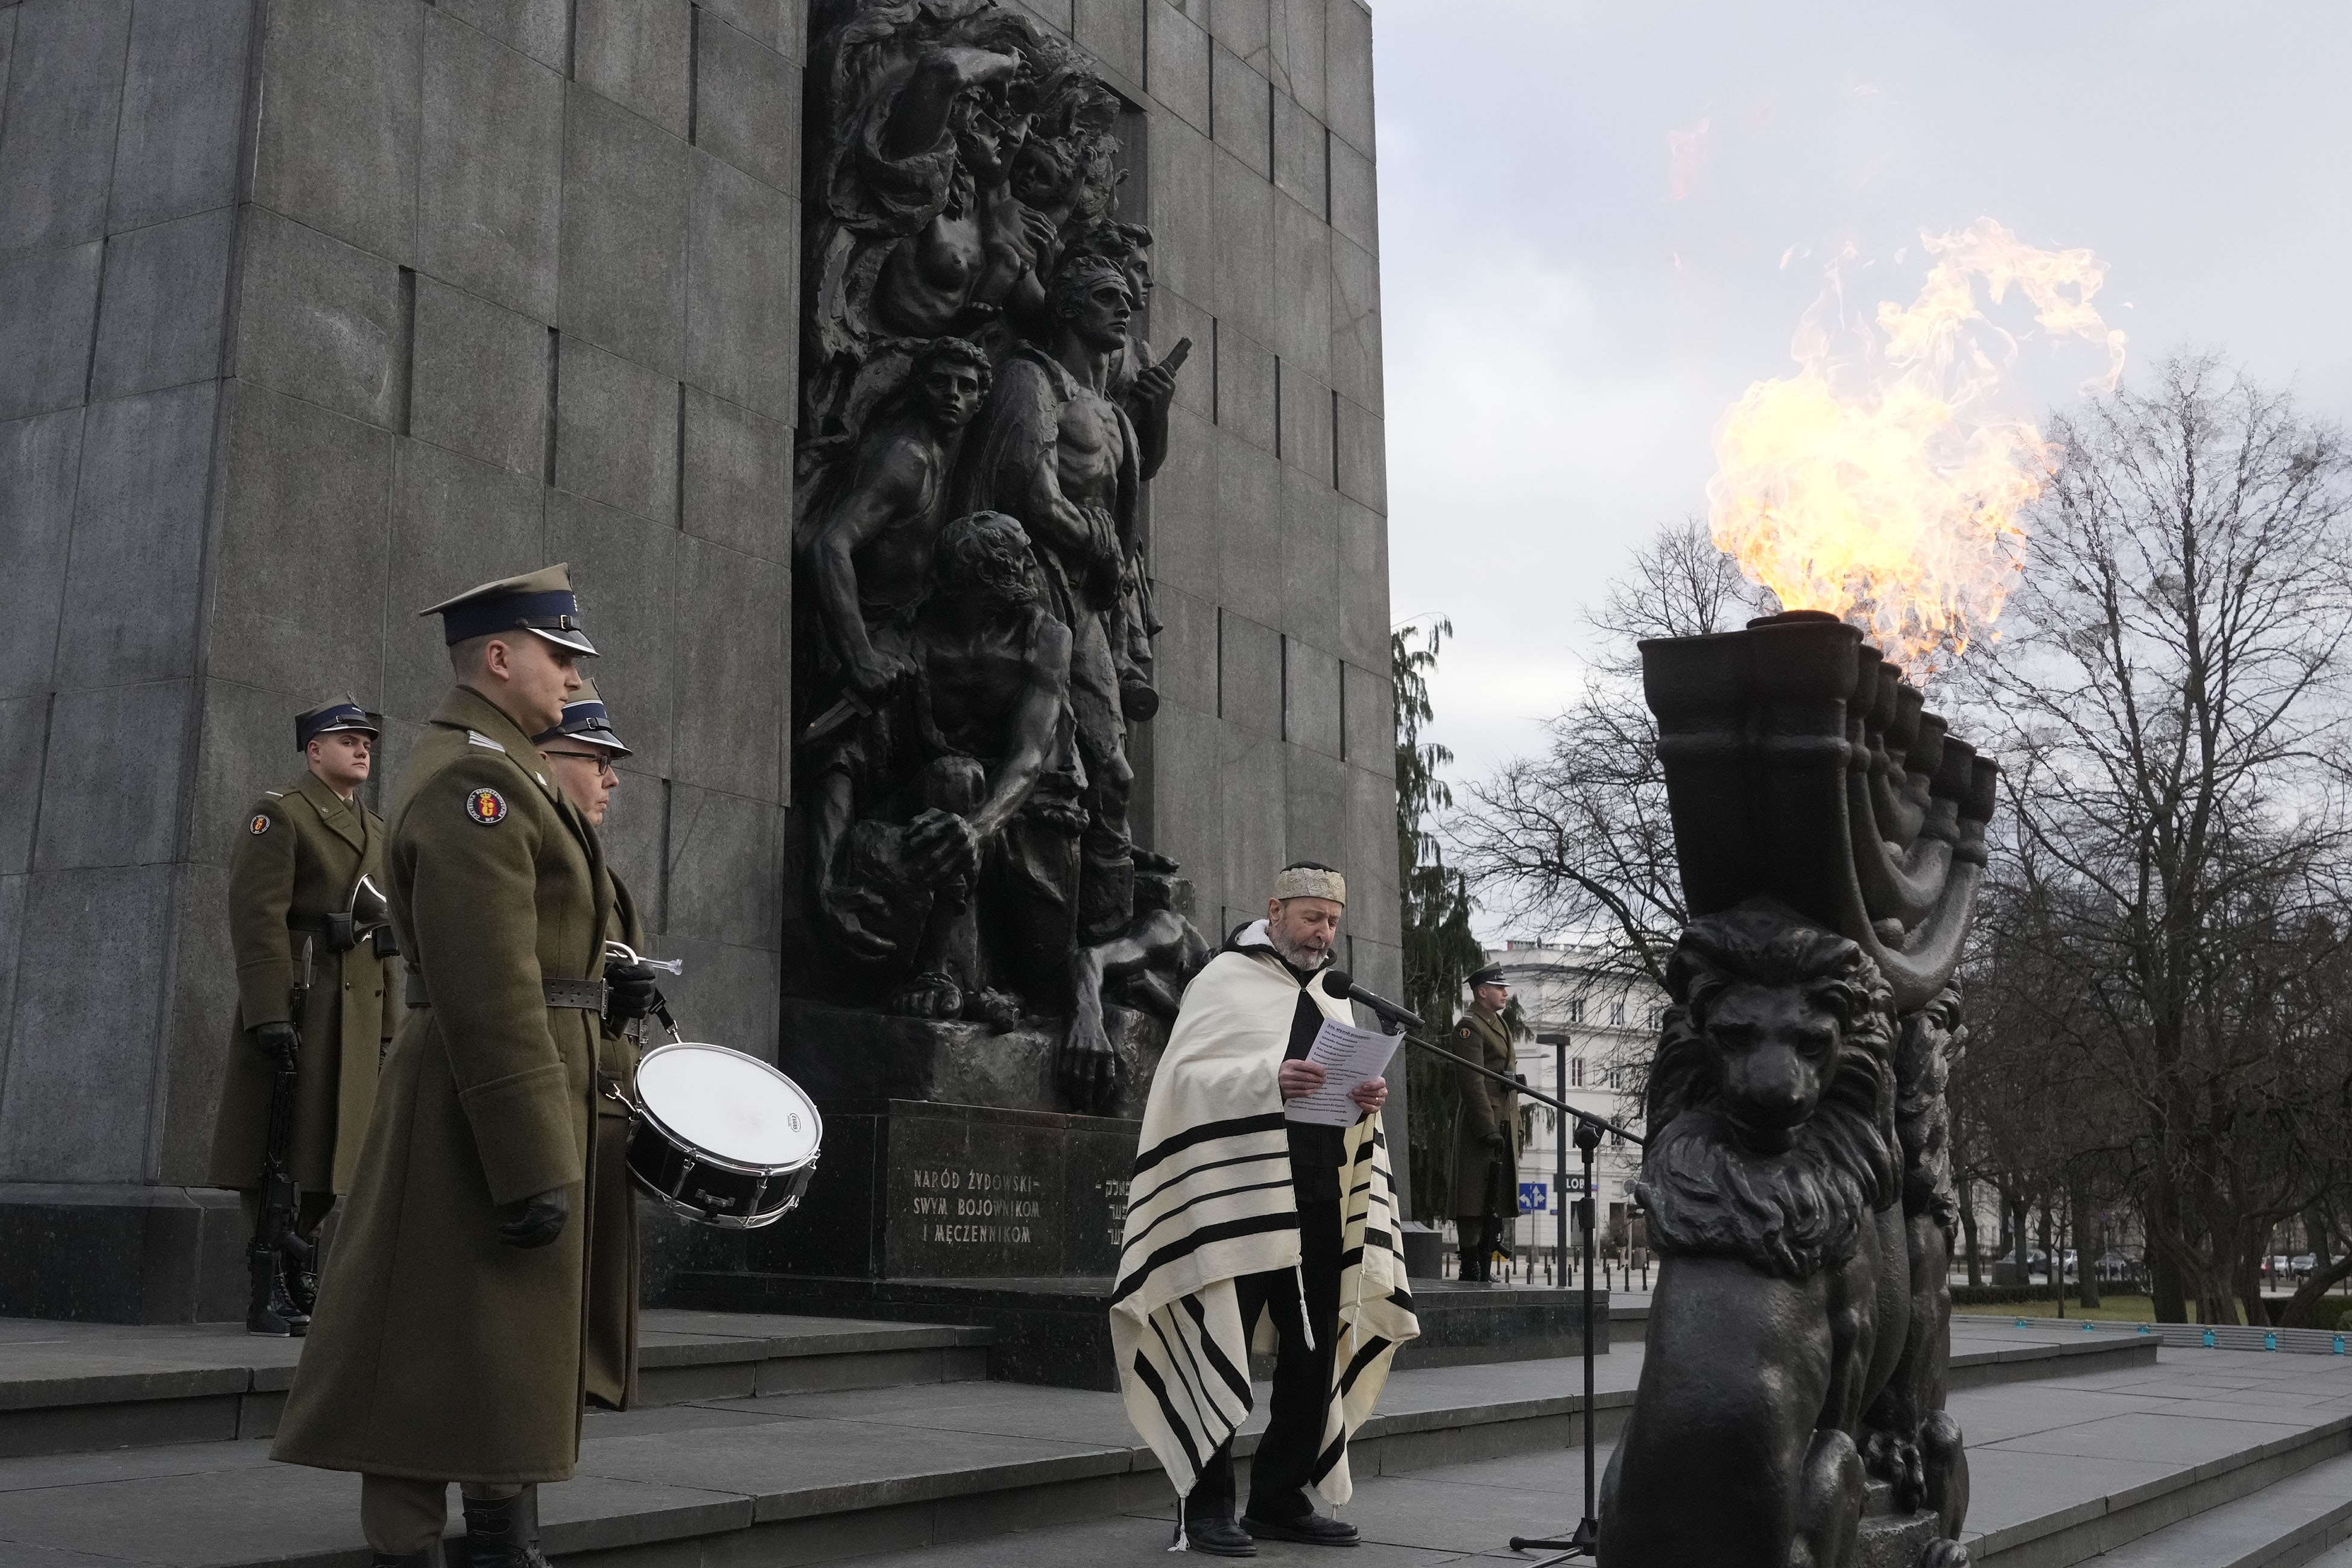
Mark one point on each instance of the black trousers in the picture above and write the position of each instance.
(1285, 1457)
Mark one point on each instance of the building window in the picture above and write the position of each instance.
(1576, 1010)
(1576, 1072)
(1617, 1012)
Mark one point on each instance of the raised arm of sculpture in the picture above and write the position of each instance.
(927, 103)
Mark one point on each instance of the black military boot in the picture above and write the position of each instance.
(504, 1533)
(273, 1311)
(301, 1285)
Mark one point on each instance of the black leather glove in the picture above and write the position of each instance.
(533, 1222)
(276, 1041)
(1496, 1141)
(632, 993)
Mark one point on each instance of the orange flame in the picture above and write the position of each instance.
(1885, 491)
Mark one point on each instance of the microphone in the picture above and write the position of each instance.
(1339, 984)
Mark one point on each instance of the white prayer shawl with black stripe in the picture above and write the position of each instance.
(1211, 1201)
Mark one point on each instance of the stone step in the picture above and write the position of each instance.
(2292, 1522)
(1057, 1329)
(812, 1476)
(2194, 1462)
(84, 1387)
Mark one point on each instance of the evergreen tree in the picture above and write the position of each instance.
(1440, 950)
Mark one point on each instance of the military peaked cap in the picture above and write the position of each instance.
(1490, 975)
(540, 601)
(585, 721)
(335, 713)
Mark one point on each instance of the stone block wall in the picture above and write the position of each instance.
(311, 313)
(314, 311)
(1269, 537)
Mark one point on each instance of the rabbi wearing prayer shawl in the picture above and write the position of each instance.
(1243, 1225)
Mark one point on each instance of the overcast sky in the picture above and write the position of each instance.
(1563, 334)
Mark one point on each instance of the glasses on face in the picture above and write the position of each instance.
(604, 764)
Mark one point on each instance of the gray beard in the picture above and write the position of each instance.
(1295, 955)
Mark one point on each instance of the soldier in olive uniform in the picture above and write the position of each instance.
(450, 1341)
(580, 753)
(1486, 1129)
(298, 859)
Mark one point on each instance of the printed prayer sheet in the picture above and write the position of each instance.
(1347, 1057)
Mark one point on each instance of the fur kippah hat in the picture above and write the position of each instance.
(1305, 879)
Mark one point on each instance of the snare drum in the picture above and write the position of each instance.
(721, 1138)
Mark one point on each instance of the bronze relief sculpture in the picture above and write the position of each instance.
(972, 622)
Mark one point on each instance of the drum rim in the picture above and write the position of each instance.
(706, 1157)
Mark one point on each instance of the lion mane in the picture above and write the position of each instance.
(1791, 1214)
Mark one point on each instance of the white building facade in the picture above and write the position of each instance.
(1590, 1032)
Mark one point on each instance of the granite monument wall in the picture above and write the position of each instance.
(313, 311)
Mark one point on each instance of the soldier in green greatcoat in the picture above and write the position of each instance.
(580, 751)
(1486, 1127)
(450, 1342)
(301, 853)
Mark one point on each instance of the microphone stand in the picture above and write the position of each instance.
(1585, 1542)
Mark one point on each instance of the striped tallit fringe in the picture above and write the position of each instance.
(1207, 1206)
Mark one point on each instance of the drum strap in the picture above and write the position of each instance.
(581, 996)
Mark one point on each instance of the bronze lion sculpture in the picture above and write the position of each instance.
(1796, 1344)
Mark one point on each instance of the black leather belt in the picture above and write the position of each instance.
(581, 996)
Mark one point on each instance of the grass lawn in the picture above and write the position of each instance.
(2110, 1309)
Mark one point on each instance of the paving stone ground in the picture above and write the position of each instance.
(2069, 1441)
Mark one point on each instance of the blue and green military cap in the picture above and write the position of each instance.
(336, 714)
(540, 601)
(584, 720)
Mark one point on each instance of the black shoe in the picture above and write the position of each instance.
(1314, 1528)
(1219, 1537)
(428, 1558)
(505, 1534)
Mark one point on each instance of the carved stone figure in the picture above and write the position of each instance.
(869, 519)
(1055, 451)
(1152, 960)
(962, 847)
(1141, 380)
(918, 794)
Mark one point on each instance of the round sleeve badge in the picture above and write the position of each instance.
(260, 823)
(485, 806)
